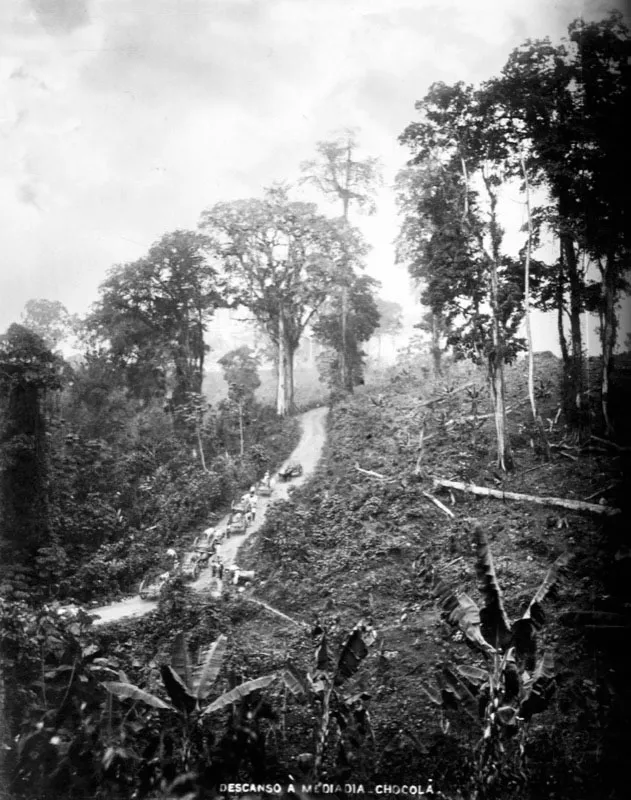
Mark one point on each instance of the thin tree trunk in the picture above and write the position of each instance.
(607, 337)
(577, 411)
(290, 353)
(496, 356)
(201, 447)
(281, 391)
(560, 304)
(436, 351)
(536, 419)
(241, 441)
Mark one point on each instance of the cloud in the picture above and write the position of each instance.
(125, 118)
(60, 16)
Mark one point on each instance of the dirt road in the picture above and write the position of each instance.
(307, 453)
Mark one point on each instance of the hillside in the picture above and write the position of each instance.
(351, 545)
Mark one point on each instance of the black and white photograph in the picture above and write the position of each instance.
(315, 378)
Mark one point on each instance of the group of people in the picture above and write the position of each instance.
(244, 510)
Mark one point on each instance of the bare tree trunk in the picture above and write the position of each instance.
(498, 392)
(347, 384)
(281, 390)
(241, 438)
(290, 353)
(608, 331)
(436, 351)
(201, 446)
(496, 356)
(536, 418)
(576, 410)
(560, 304)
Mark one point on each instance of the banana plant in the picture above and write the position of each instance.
(345, 713)
(188, 688)
(502, 697)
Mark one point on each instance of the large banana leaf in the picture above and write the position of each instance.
(433, 693)
(461, 611)
(182, 699)
(126, 691)
(180, 660)
(533, 618)
(322, 658)
(354, 652)
(293, 681)
(239, 692)
(474, 675)
(453, 685)
(494, 623)
(539, 689)
(510, 674)
(209, 667)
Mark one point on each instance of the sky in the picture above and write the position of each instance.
(121, 120)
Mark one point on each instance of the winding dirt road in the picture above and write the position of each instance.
(307, 453)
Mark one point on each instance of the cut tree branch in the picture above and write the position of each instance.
(372, 473)
(572, 505)
(440, 505)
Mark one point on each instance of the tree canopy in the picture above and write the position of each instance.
(282, 259)
(153, 313)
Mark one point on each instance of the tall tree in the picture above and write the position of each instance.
(153, 313)
(28, 371)
(361, 322)
(49, 319)
(567, 103)
(457, 252)
(390, 319)
(282, 259)
(340, 175)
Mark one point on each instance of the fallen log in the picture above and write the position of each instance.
(372, 473)
(572, 505)
(440, 505)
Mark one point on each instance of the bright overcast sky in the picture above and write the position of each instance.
(120, 120)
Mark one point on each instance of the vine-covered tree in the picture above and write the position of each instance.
(153, 313)
(283, 259)
(362, 319)
(28, 370)
(340, 176)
